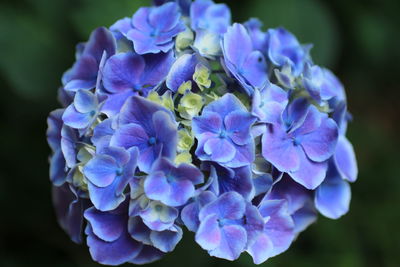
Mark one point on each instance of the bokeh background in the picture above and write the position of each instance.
(359, 40)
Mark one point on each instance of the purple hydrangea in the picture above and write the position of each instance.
(223, 133)
(177, 120)
(154, 28)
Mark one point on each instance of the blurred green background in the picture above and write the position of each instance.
(358, 39)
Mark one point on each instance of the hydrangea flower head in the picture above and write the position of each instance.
(177, 120)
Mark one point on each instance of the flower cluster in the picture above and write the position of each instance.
(176, 118)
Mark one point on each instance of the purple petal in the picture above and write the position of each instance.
(148, 254)
(114, 102)
(278, 149)
(138, 230)
(165, 17)
(320, 145)
(100, 40)
(68, 145)
(105, 225)
(220, 149)
(167, 133)
(244, 156)
(118, 252)
(157, 68)
(230, 205)
(238, 123)
(139, 19)
(122, 72)
(225, 105)
(69, 210)
(233, 243)
(310, 174)
(156, 186)
(280, 226)
(130, 135)
(57, 168)
(181, 192)
(122, 26)
(254, 69)
(237, 44)
(207, 122)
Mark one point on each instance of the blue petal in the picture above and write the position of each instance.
(332, 197)
(166, 241)
(75, 119)
(181, 71)
(85, 101)
(101, 170)
(345, 159)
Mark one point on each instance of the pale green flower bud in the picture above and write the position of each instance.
(202, 76)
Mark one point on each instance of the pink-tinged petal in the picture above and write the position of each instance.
(320, 145)
(208, 236)
(345, 159)
(261, 249)
(310, 174)
(279, 149)
(101, 170)
(233, 243)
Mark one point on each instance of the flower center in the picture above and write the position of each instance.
(152, 141)
(222, 134)
(119, 172)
